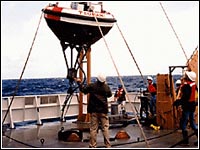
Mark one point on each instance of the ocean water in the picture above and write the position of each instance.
(61, 85)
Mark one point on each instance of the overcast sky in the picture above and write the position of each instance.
(143, 24)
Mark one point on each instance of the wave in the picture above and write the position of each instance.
(61, 85)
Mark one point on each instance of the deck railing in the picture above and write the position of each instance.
(39, 107)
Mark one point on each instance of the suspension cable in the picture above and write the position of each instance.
(133, 109)
(174, 31)
(16, 89)
(131, 52)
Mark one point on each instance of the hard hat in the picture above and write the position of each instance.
(191, 75)
(101, 77)
(149, 78)
(178, 82)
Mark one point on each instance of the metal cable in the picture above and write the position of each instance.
(131, 53)
(174, 31)
(18, 83)
(133, 109)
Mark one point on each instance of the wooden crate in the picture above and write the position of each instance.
(165, 113)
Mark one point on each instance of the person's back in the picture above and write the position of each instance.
(99, 92)
(187, 101)
(98, 108)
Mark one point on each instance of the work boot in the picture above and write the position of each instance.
(185, 141)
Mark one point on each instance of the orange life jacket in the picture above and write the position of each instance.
(151, 88)
(193, 90)
(119, 92)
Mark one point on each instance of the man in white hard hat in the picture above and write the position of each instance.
(149, 78)
(151, 88)
(188, 103)
(98, 108)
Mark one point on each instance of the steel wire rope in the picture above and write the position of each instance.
(17, 86)
(20, 142)
(180, 46)
(131, 53)
(174, 31)
(133, 109)
(18, 83)
(175, 34)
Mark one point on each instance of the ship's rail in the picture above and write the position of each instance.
(39, 107)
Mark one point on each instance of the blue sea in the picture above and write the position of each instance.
(60, 85)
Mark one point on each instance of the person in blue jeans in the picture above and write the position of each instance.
(188, 104)
(152, 90)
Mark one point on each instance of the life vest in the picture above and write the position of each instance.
(119, 92)
(151, 88)
(193, 91)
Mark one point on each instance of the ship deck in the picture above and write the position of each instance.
(46, 136)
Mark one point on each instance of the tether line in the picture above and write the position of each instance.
(131, 53)
(18, 83)
(133, 109)
(174, 31)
